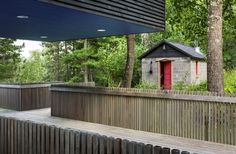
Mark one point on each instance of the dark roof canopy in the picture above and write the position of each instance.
(53, 20)
(184, 49)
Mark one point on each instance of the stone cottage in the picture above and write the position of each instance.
(169, 62)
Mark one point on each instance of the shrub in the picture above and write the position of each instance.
(146, 85)
(190, 87)
(230, 81)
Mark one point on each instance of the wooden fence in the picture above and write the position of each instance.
(25, 137)
(22, 97)
(197, 116)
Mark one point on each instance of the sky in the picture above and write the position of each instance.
(29, 47)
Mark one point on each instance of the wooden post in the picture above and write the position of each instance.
(140, 148)
(95, 144)
(165, 150)
(77, 143)
(148, 149)
(157, 150)
(175, 151)
(124, 147)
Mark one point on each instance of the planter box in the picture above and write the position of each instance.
(23, 97)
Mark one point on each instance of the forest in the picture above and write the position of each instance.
(103, 60)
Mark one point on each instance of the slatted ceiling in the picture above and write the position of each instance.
(159, 4)
(137, 7)
(156, 2)
(151, 14)
(142, 19)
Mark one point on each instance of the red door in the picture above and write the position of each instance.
(167, 76)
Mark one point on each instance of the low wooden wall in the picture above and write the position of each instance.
(22, 97)
(25, 137)
(198, 116)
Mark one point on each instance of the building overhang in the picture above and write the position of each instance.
(55, 20)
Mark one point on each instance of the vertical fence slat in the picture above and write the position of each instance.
(72, 142)
(124, 147)
(57, 140)
(67, 142)
(52, 139)
(62, 141)
(38, 144)
(89, 142)
(26, 139)
(2, 140)
(30, 138)
(95, 144)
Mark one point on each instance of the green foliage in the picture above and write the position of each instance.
(9, 59)
(180, 85)
(230, 43)
(32, 69)
(183, 86)
(53, 53)
(146, 85)
(73, 80)
(230, 81)
(112, 52)
(229, 84)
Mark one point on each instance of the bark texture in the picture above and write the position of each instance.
(130, 61)
(215, 73)
(85, 67)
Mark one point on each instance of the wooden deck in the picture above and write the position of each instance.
(194, 146)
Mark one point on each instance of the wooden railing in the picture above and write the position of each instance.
(25, 137)
(22, 97)
(203, 116)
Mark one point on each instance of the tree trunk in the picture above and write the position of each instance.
(85, 67)
(58, 62)
(215, 74)
(145, 39)
(130, 62)
(67, 65)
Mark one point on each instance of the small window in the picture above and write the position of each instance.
(164, 47)
(150, 71)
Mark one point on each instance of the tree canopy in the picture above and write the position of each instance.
(9, 59)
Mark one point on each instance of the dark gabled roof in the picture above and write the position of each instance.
(187, 50)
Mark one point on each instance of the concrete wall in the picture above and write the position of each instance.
(146, 76)
(202, 72)
(183, 69)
